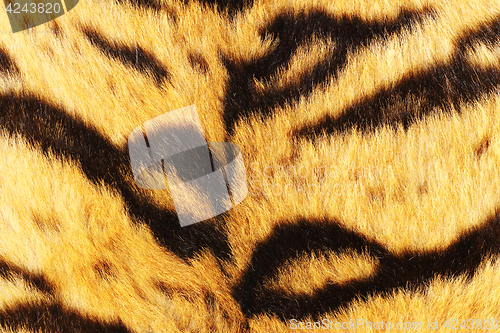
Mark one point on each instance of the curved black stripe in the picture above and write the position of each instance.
(441, 88)
(47, 317)
(38, 281)
(287, 243)
(53, 131)
(136, 57)
(7, 64)
(487, 33)
(290, 31)
(444, 87)
(409, 271)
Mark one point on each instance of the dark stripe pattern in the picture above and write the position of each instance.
(409, 271)
(7, 64)
(38, 281)
(45, 316)
(291, 31)
(52, 317)
(229, 7)
(134, 57)
(101, 161)
(444, 87)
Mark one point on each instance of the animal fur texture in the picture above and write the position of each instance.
(370, 132)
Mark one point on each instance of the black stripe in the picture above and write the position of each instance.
(409, 271)
(38, 281)
(229, 7)
(47, 317)
(287, 243)
(487, 33)
(53, 131)
(7, 64)
(444, 87)
(134, 57)
(290, 31)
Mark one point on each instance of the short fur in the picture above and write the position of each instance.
(369, 131)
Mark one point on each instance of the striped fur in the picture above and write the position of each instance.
(369, 131)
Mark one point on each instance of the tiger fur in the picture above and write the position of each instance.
(369, 131)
